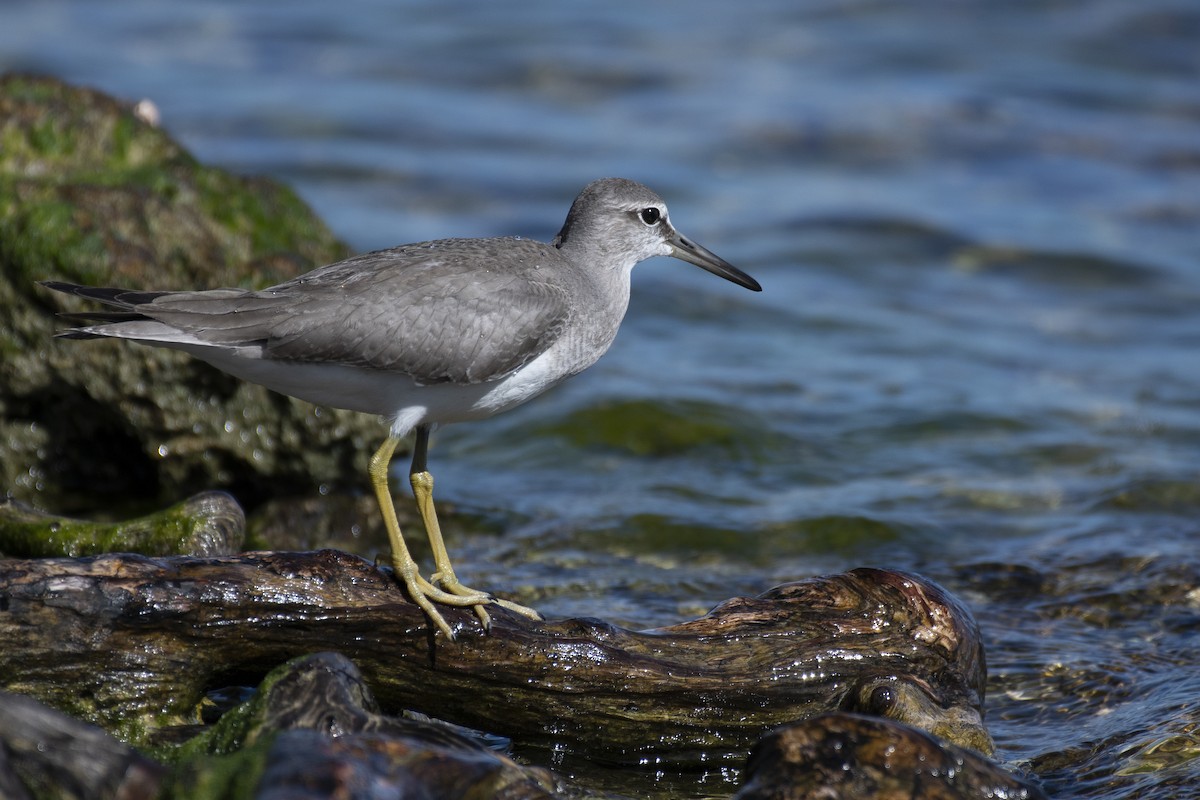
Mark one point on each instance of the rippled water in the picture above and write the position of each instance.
(976, 354)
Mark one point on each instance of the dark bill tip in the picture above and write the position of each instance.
(687, 250)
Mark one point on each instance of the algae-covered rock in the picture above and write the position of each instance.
(312, 730)
(91, 193)
(207, 524)
(313, 722)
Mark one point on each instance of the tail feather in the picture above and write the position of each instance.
(128, 322)
(100, 316)
(78, 333)
(109, 295)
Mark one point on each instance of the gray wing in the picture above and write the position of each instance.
(435, 311)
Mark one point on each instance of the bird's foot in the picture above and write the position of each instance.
(448, 591)
(425, 594)
(524, 611)
(450, 583)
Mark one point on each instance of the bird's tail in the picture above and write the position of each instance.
(123, 299)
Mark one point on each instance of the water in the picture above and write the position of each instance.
(976, 351)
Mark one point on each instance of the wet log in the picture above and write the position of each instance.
(132, 643)
(850, 757)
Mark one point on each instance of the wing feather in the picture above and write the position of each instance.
(428, 310)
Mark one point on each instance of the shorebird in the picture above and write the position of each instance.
(423, 334)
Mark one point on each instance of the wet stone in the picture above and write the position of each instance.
(849, 756)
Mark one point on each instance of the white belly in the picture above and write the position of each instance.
(391, 394)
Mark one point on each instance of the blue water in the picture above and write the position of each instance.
(976, 225)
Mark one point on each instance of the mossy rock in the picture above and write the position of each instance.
(91, 193)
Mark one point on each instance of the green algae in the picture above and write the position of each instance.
(208, 524)
(663, 429)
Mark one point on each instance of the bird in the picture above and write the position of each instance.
(423, 335)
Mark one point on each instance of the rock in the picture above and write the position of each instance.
(314, 730)
(44, 753)
(208, 524)
(92, 193)
(311, 731)
(850, 757)
(903, 698)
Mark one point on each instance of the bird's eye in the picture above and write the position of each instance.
(650, 215)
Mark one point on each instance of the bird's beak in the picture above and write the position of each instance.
(685, 249)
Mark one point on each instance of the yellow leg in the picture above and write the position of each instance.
(422, 591)
(443, 576)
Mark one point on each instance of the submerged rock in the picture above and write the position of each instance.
(90, 192)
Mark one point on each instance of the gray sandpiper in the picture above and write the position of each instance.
(423, 334)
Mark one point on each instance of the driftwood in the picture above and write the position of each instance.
(313, 730)
(850, 757)
(133, 643)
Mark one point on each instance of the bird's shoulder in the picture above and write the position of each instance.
(434, 263)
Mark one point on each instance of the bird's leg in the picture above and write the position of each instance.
(422, 483)
(422, 591)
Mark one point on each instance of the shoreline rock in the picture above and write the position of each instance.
(90, 192)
